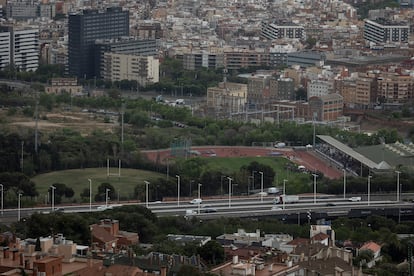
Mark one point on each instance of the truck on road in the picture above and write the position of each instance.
(287, 199)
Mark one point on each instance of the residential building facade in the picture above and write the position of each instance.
(143, 69)
(383, 31)
(276, 30)
(21, 45)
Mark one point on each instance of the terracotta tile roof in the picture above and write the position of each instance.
(298, 241)
(320, 237)
(374, 247)
(101, 234)
(327, 266)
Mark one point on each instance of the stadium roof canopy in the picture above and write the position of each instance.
(349, 151)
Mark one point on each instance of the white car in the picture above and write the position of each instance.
(275, 208)
(196, 201)
(355, 198)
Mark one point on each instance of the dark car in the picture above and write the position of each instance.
(210, 210)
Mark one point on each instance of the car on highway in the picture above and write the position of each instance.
(196, 201)
(330, 204)
(104, 207)
(355, 198)
(276, 208)
(209, 210)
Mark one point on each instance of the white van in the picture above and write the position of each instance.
(196, 201)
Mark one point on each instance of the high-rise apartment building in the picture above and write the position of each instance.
(276, 30)
(19, 47)
(383, 31)
(5, 49)
(84, 29)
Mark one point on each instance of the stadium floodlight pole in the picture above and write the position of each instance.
(90, 194)
(106, 196)
(369, 189)
(2, 198)
(178, 188)
(230, 179)
(284, 192)
(314, 187)
(261, 187)
(398, 185)
(18, 206)
(344, 183)
(146, 192)
(53, 197)
(199, 196)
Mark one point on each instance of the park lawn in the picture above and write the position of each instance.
(78, 180)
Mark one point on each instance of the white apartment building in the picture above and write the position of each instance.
(383, 31)
(19, 46)
(5, 50)
(319, 88)
(26, 49)
(143, 69)
(277, 30)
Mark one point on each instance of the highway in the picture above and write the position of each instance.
(237, 207)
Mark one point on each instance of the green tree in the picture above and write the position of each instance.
(102, 192)
(212, 252)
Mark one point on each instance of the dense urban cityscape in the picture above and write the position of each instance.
(192, 137)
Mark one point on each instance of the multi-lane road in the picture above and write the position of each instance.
(234, 207)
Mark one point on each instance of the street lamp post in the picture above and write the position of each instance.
(90, 194)
(146, 192)
(253, 172)
(344, 183)
(53, 197)
(178, 192)
(106, 196)
(284, 192)
(369, 189)
(230, 179)
(314, 187)
(221, 184)
(2, 197)
(398, 186)
(18, 206)
(199, 196)
(261, 187)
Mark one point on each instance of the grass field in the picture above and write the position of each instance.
(78, 180)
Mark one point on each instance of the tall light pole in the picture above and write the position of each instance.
(53, 197)
(398, 186)
(253, 173)
(2, 197)
(369, 188)
(178, 192)
(230, 179)
(344, 183)
(90, 194)
(18, 206)
(199, 196)
(284, 192)
(314, 187)
(146, 192)
(106, 196)
(261, 187)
